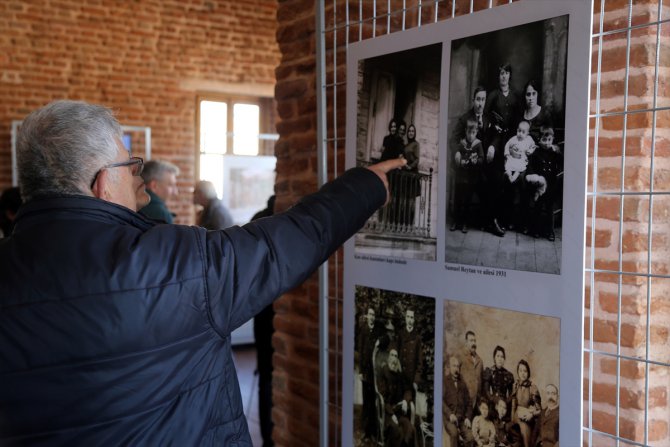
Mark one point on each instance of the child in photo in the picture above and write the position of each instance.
(543, 178)
(517, 150)
(506, 433)
(483, 430)
(468, 159)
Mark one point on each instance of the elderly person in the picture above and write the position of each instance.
(214, 215)
(549, 418)
(398, 404)
(160, 178)
(456, 406)
(117, 330)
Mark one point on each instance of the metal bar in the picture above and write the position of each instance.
(617, 439)
(631, 112)
(388, 16)
(322, 162)
(617, 272)
(15, 170)
(374, 18)
(593, 225)
(617, 408)
(632, 27)
(335, 169)
(650, 226)
(627, 357)
(629, 193)
(360, 20)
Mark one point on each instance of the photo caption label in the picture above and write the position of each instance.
(380, 259)
(484, 271)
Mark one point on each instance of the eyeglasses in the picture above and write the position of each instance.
(136, 166)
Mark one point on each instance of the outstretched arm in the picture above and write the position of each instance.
(247, 267)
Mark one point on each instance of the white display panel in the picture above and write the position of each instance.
(427, 77)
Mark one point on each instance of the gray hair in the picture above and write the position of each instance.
(156, 169)
(61, 146)
(207, 189)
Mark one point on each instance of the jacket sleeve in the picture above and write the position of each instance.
(248, 267)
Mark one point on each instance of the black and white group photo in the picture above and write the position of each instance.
(500, 383)
(398, 102)
(505, 134)
(394, 360)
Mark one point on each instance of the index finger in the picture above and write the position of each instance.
(381, 169)
(389, 165)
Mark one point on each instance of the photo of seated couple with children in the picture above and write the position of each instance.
(505, 147)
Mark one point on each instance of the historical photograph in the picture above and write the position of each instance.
(398, 115)
(394, 360)
(500, 382)
(505, 147)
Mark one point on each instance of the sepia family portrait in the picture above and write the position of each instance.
(500, 385)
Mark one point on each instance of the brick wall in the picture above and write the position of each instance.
(296, 412)
(145, 59)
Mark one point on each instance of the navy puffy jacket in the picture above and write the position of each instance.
(114, 331)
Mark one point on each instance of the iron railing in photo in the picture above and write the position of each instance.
(408, 211)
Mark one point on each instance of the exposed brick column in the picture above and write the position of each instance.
(296, 362)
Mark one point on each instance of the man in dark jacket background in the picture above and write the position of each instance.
(160, 179)
(115, 330)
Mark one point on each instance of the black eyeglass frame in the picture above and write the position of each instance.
(130, 162)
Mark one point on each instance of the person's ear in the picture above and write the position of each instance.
(101, 188)
(151, 185)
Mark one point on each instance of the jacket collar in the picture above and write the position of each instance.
(80, 207)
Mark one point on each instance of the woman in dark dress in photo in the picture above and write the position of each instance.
(393, 146)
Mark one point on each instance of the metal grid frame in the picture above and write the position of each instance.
(596, 116)
(334, 37)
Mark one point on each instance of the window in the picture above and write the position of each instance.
(235, 141)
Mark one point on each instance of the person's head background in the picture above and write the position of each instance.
(160, 177)
(61, 146)
(204, 192)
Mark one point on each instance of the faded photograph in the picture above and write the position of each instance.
(394, 361)
(505, 147)
(398, 117)
(500, 381)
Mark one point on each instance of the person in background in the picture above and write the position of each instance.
(148, 309)
(526, 403)
(483, 430)
(468, 158)
(456, 406)
(399, 407)
(368, 334)
(10, 201)
(263, 330)
(215, 215)
(472, 368)
(410, 349)
(160, 178)
(498, 381)
(549, 418)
